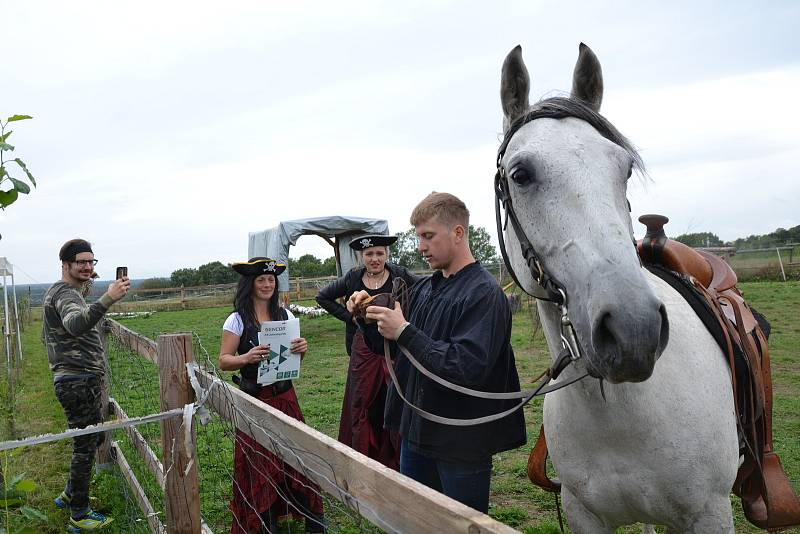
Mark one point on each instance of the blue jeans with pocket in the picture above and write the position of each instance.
(468, 483)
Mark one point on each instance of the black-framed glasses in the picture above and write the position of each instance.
(81, 263)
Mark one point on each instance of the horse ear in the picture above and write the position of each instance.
(587, 79)
(515, 84)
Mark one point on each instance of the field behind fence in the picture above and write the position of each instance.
(778, 263)
(772, 264)
(134, 385)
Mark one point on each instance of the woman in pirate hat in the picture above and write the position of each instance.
(361, 424)
(264, 489)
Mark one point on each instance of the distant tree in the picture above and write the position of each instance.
(481, 245)
(329, 267)
(155, 283)
(306, 266)
(216, 272)
(700, 239)
(9, 196)
(404, 251)
(779, 237)
(185, 277)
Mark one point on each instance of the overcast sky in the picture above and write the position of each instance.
(164, 132)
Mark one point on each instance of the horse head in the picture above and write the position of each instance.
(565, 170)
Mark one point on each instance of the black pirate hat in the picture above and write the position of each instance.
(372, 240)
(259, 266)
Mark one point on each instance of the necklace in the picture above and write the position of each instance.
(377, 282)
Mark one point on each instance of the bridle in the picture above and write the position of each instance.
(549, 289)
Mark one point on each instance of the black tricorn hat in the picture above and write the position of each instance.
(372, 240)
(259, 266)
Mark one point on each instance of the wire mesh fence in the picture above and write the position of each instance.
(134, 385)
(777, 263)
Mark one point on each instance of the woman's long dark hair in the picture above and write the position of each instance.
(243, 301)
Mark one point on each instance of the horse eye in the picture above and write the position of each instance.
(521, 176)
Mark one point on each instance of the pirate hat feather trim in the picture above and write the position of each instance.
(372, 240)
(259, 266)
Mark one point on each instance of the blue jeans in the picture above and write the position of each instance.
(468, 483)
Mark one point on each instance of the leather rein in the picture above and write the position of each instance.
(549, 289)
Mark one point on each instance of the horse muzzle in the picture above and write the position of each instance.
(627, 341)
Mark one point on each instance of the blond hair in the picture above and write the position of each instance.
(449, 209)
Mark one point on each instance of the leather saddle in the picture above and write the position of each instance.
(709, 284)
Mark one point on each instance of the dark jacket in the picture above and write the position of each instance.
(460, 329)
(346, 285)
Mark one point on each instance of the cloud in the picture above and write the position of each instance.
(165, 132)
(723, 153)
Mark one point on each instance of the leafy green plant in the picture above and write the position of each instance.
(13, 502)
(8, 197)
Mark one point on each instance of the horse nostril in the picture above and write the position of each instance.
(604, 337)
(628, 344)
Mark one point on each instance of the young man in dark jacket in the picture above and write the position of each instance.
(75, 352)
(459, 328)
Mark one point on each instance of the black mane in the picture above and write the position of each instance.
(560, 108)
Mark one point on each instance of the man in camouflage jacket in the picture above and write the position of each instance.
(75, 352)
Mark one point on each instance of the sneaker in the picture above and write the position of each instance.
(89, 522)
(63, 500)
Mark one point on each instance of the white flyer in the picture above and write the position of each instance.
(280, 364)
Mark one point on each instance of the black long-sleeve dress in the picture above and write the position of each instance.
(361, 425)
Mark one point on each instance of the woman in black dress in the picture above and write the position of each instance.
(361, 424)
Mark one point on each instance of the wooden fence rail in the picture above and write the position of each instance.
(149, 457)
(381, 495)
(139, 344)
(138, 492)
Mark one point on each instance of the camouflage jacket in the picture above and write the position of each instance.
(70, 331)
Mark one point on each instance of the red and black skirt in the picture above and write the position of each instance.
(261, 480)
(361, 426)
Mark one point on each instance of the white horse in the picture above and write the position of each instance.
(660, 447)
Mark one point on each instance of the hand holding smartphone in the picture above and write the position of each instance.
(119, 288)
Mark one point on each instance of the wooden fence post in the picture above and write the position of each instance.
(181, 487)
(183, 297)
(104, 459)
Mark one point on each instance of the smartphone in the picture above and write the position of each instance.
(122, 271)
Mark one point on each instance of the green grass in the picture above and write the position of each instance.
(514, 500)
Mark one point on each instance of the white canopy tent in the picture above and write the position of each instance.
(337, 230)
(7, 269)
